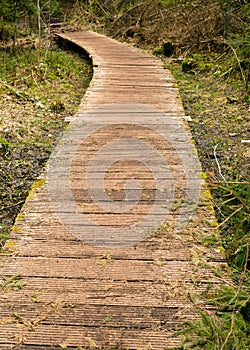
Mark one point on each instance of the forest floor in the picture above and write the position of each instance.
(220, 116)
(219, 109)
(39, 88)
(220, 113)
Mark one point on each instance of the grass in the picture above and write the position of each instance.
(13, 282)
(233, 208)
(219, 109)
(39, 88)
(218, 104)
(225, 326)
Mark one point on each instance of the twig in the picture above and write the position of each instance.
(229, 333)
(126, 13)
(139, 20)
(232, 192)
(34, 78)
(11, 89)
(233, 183)
(218, 164)
(239, 64)
(225, 73)
(11, 206)
(227, 200)
(245, 268)
(242, 277)
(229, 217)
(103, 9)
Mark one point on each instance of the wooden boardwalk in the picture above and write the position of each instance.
(79, 270)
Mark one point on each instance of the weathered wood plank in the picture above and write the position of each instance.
(60, 291)
(103, 338)
(135, 270)
(170, 249)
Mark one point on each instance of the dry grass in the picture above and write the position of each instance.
(38, 90)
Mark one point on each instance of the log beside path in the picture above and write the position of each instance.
(116, 242)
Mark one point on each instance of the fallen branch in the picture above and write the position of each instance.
(11, 89)
(239, 64)
(11, 206)
(232, 192)
(229, 217)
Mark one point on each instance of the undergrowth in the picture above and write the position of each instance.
(39, 87)
(233, 208)
(228, 325)
(215, 98)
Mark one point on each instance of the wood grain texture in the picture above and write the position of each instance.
(59, 291)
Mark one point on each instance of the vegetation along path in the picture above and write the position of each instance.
(116, 243)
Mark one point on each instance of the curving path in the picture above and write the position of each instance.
(109, 249)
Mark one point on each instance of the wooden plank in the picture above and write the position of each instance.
(69, 292)
(83, 336)
(112, 270)
(171, 249)
(73, 287)
(112, 316)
